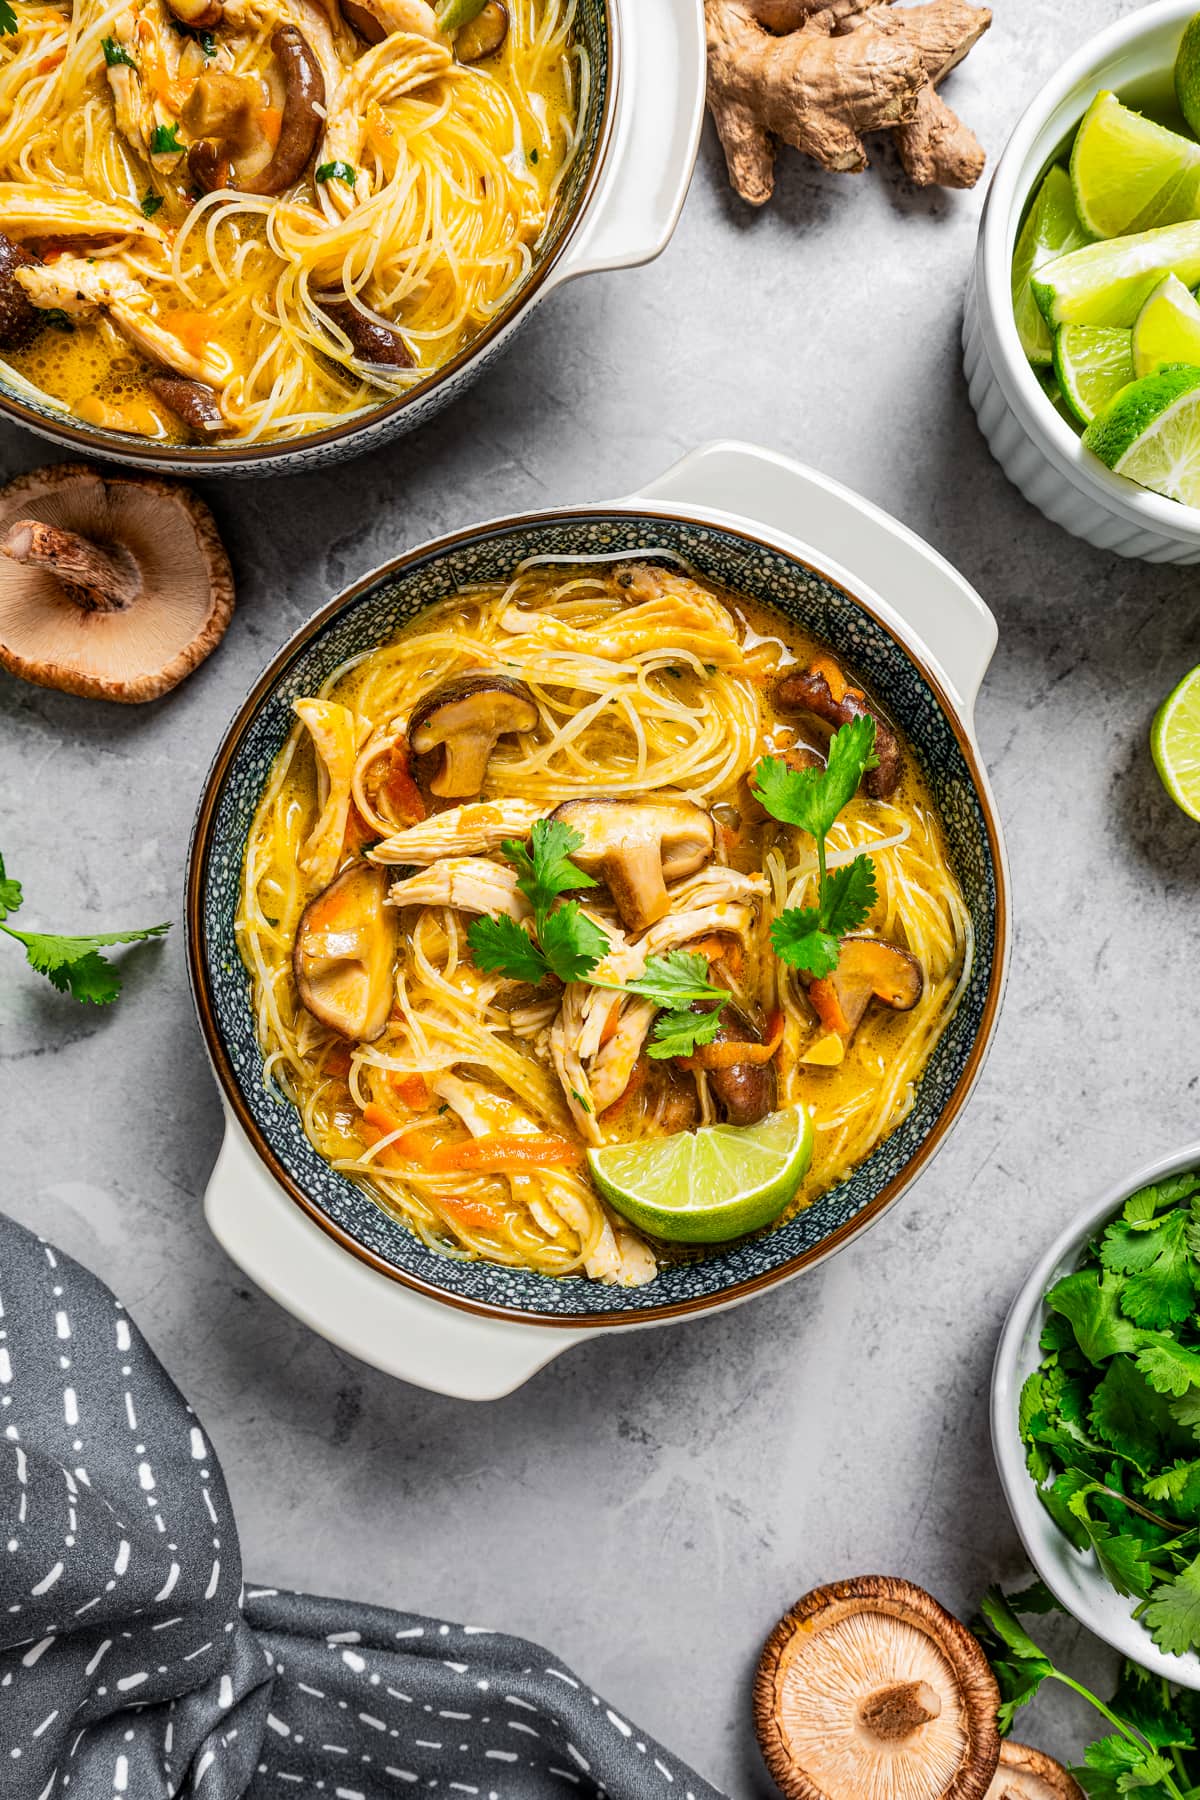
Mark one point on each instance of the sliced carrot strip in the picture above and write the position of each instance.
(400, 794)
(504, 1151)
(412, 1089)
(474, 1213)
(824, 996)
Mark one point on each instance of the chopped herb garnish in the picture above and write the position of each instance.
(151, 203)
(57, 319)
(73, 965)
(164, 141)
(807, 937)
(116, 54)
(338, 171)
(207, 43)
(566, 943)
(8, 20)
(585, 1104)
(533, 156)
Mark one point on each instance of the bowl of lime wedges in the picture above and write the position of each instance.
(1082, 326)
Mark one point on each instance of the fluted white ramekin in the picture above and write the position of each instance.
(1039, 452)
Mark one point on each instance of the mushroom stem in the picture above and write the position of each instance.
(96, 578)
(894, 1713)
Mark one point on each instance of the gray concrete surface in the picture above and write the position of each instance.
(650, 1503)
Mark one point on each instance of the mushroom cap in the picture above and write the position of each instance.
(869, 1690)
(138, 651)
(637, 844)
(344, 953)
(1026, 1774)
(464, 718)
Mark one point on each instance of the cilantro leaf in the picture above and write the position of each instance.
(8, 20)
(150, 203)
(337, 171)
(678, 1033)
(116, 55)
(813, 798)
(1169, 1367)
(676, 980)
(1020, 1666)
(501, 947)
(164, 141)
(1134, 1769)
(571, 943)
(1157, 1258)
(544, 866)
(1143, 1207)
(1130, 1417)
(10, 893)
(1173, 1615)
(849, 896)
(74, 965)
(1090, 1302)
(799, 939)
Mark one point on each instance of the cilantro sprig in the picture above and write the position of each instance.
(9, 25)
(1151, 1746)
(807, 937)
(1110, 1419)
(73, 965)
(164, 141)
(115, 55)
(568, 944)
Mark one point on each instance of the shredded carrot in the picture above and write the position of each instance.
(831, 674)
(824, 996)
(497, 1154)
(270, 123)
(193, 329)
(358, 832)
(401, 794)
(337, 1060)
(412, 1089)
(734, 1055)
(474, 1213)
(410, 1146)
(611, 1025)
(51, 62)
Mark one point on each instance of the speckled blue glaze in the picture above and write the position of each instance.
(372, 615)
(393, 418)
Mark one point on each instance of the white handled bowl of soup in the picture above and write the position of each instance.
(482, 802)
(249, 235)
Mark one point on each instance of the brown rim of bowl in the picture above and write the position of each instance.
(186, 460)
(199, 850)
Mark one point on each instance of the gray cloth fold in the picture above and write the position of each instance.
(131, 1663)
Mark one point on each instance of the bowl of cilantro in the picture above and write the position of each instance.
(1096, 1417)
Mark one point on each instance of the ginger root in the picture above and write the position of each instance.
(817, 74)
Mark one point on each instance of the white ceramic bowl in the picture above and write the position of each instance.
(1074, 1577)
(1039, 452)
(645, 120)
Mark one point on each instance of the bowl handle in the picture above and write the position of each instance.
(945, 617)
(379, 1320)
(656, 136)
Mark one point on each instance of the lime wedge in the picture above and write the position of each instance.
(1130, 174)
(1167, 330)
(706, 1186)
(1110, 282)
(1175, 744)
(452, 15)
(1051, 228)
(1151, 433)
(1187, 75)
(1092, 362)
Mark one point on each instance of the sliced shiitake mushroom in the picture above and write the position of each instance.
(824, 691)
(193, 403)
(636, 845)
(483, 35)
(19, 317)
(870, 1687)
(745, 1091)
(868, 969)
(1026, 1774)
(465, 719)
(371, 340)
(345, 951)
(222, 113)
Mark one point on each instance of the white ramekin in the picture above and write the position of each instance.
(1074, 1577)
(1039, 452)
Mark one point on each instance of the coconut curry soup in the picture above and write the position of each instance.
(586, 888)
(244, 220)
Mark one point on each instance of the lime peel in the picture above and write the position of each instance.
(1175, 744)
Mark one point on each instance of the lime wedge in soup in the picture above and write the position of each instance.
(1109, 283)
(706, 1186)
(1175, 744)
(1130, 174)
(1092, 363)
(1051, 228)
(1151, 433)
(451, 15)
(1167, 329)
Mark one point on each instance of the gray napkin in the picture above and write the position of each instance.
(133, 1666)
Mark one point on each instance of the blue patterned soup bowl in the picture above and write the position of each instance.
(618, 206)
(370, 613)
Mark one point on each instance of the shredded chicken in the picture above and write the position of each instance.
(146, 91)
(405, 61)
(82, 287)
(472, 830)
(39, 209)
(332, 730)
(618, 1256)
(671, 613)
(470, 883)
